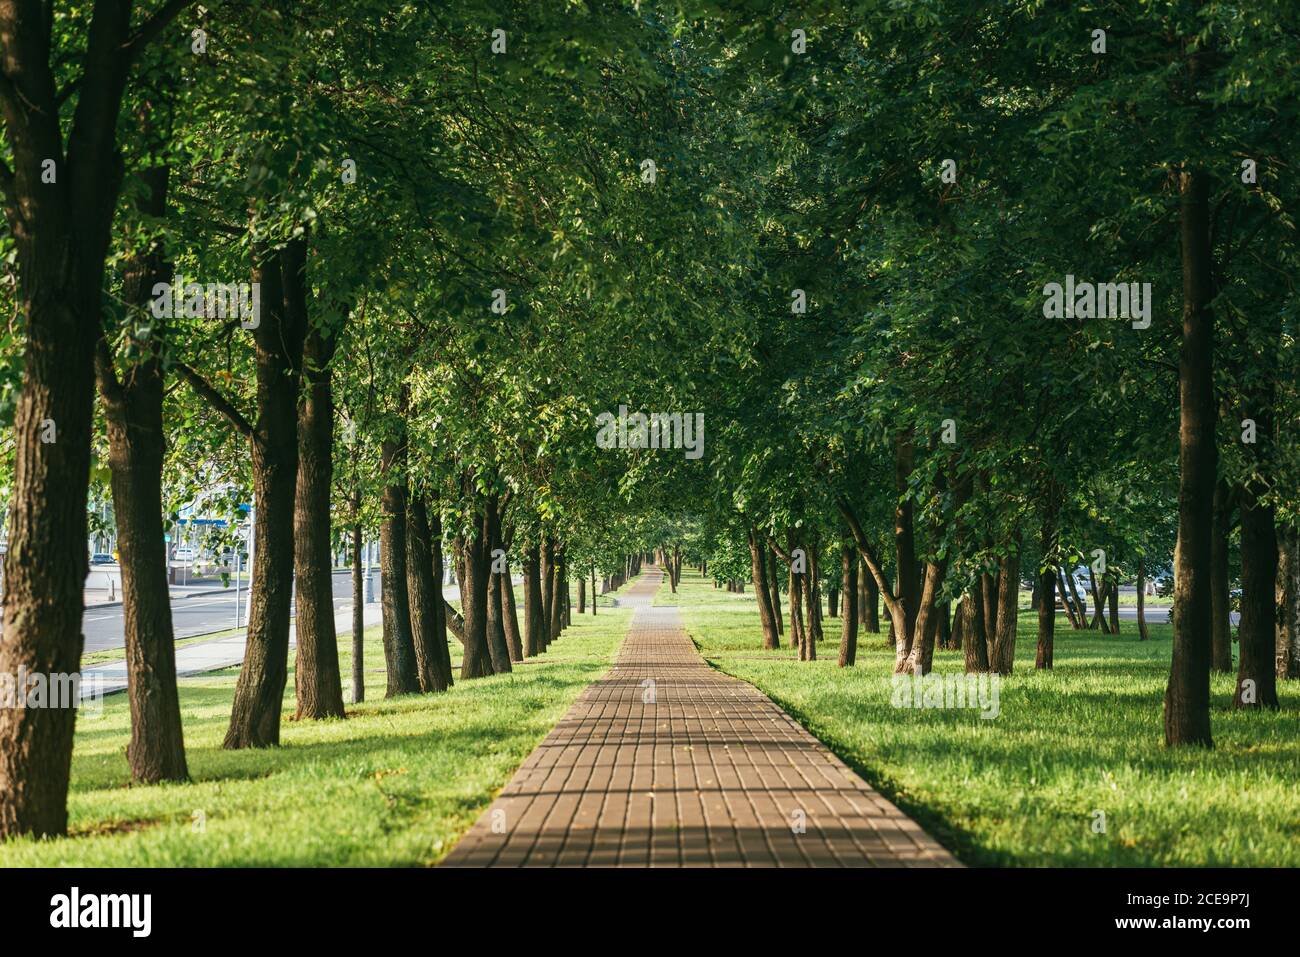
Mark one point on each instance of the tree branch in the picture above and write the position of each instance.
(208, 393)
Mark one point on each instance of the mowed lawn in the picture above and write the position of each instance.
(1025, 788)
(396, 783)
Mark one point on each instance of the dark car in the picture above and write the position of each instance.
(99, 558)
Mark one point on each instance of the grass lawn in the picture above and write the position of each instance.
(1025, 787)
(395, 784)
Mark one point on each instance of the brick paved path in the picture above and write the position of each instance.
(666, 762)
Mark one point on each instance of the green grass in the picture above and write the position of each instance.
(396, 783)
(1023, 788)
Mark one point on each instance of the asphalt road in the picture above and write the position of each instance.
(195, 614)
(1154, 616)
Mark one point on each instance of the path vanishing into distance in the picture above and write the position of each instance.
(667, 762)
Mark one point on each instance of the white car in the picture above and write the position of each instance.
(184, 554)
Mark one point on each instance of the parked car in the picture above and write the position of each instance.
(184, 554)
(100, 558)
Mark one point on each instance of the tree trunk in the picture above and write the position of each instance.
(498, 647)
(871, 617)
(957, 639)
(1187, 696)
(557, 597)
(849, 619)
(477, 659)
(1288, 600)
(440, 605)
(1098, 603)
(921, 659)
(61, 235)
(399, 642)
(534, 629)
(1004, 644)
(424, 594)
(259, 691)
(796, 610)
(1220, 581)
(318, 684)
(974, 643)
(510, 617)
(358, 613)
(1046, 616)
(1257, 631)
(546, 571)
(758, 570)
(1114, 605)
(774, 589)
(908, 588)
(812, 592)
(989, 583)
(133, 415)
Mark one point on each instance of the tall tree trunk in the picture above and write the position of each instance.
(133, 415)
(921, 659)
(1257, 631)
(957, 639)
(534, 628)
(440, 605)
(1047, 579)
(424, 596)
(812, 592)
(1004, 644)
(1288, 600)
(61, 235)
(943, 624)
(557, 597)
(796, 610)
(1046, 617)
(774, 589)
(908, 588)
(318, 684)
(498, 648)
(871, 592)
(399, 643)
(498, 644)
(547, 576)
(255, 713)
(358, 612)
(510, 617)
(1098, 603)
(1220, 581)
(477, 563)
(1114, 605)
(849, 620)
(758, 570)
(974, 643)
(989, 583)
(1187, 696)
(1066, 600)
